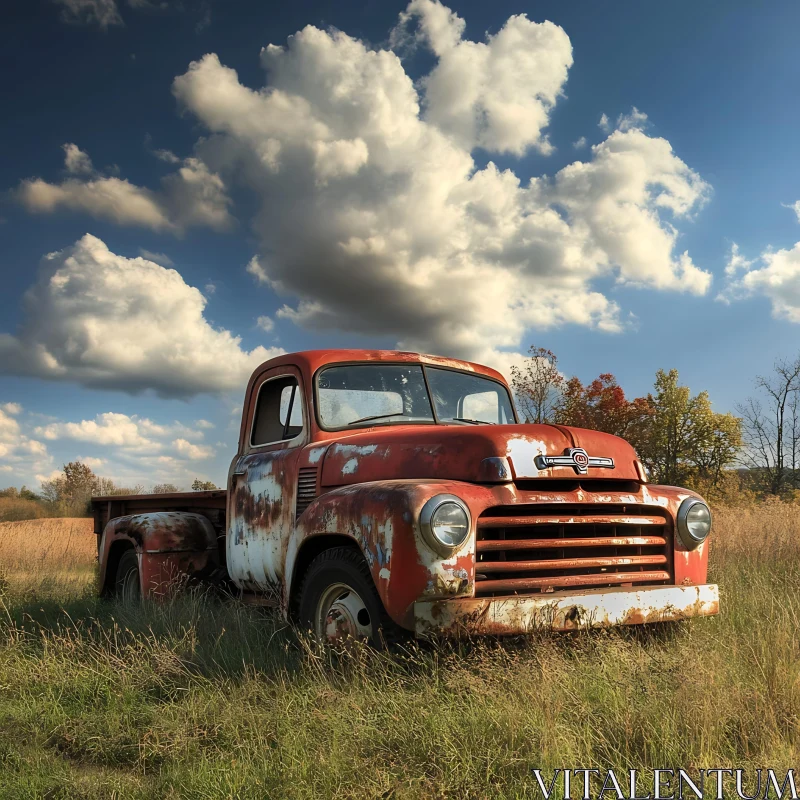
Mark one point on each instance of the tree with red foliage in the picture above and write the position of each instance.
(678, 437)
(601, 405)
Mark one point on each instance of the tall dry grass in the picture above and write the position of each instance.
(769, 531)
(206, 699)
(54, 556)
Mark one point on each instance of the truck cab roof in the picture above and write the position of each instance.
(309, 361)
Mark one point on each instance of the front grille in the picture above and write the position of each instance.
(540, 549)
(306, 489)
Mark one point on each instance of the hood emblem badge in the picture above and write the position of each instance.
(575, 457)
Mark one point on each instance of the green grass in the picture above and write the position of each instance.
(201, 699)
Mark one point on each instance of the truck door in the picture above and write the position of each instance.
(264, 482)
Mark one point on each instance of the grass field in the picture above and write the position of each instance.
(198, 699)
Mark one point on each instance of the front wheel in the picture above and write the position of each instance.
(338, 600)
(127, 586)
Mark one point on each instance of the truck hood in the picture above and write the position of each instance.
(474, 453)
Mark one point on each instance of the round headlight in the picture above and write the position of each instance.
(444, 522)
(694, 521)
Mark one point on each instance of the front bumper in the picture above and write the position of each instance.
(592, 608)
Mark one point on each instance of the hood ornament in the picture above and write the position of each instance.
(575, 457)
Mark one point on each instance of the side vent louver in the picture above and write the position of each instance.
(306, 489)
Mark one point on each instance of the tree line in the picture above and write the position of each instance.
(678, 436)
(69, 494)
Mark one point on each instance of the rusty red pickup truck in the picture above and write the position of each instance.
(377, 492)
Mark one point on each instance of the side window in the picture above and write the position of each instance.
(279, 411)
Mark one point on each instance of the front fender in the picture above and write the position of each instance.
(169, 545)
(691, 566)
(382, 519)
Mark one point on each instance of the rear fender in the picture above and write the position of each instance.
(382, 519)
(170, 545)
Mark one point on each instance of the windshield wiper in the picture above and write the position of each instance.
(378, 416)
(400, 414)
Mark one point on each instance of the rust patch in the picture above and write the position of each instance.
(587, 609)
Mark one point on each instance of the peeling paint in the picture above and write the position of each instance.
(522, 453)
(589, 609)
(350, 466)
(348, 450)
(315, 454)
(439, 361)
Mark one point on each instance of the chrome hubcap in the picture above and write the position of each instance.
(342, 614)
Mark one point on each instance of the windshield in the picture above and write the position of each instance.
(465, 397)
(362, 395)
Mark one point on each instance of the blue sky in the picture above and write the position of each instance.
(716, 81)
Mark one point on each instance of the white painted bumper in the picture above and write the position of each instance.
(591, 608)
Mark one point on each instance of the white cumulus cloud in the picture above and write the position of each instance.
(19, 453)
(634, 119)
(795, 207)
(162, 154)
(774, 275)
(109, 428)
(131, 435)
(736, 261)
(128, 449)
(255, 268)
(159, 258)
(495, 94)
(265, 324)
(190, 196)
(91, 461)
(375, 218)
(194, 452)
(110, 198)
(107, 321)
(76, 161)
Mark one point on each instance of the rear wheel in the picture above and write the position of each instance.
(338, 600)
(128, 587)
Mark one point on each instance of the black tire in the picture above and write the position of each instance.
(127, 587)
(340, 580)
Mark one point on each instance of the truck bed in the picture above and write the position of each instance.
(211, 505)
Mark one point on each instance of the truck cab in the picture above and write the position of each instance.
(375, 493)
